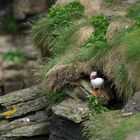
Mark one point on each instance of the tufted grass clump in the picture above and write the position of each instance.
(134, 11)
(57, 96)
(111, 126)
(49, 29)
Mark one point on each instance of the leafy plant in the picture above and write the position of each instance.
(15, 56)
(10, 24)
(57, 97)
(95, 104)
(62, 16)
(100, 23)
(48, 30)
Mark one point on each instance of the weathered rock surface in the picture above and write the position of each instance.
(133, 104)
(31, 130)
(25, 7)
(63, 129)
(22, 96)
(13, 75)
(133, 137)
(25, 107)
(74, 110)
(27, 113)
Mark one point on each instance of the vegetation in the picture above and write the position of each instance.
(109, 3)
(15, 56)
(95, 104)
(47, 31)
(134, 11)
(57, 96)
(110, 125)
(10, 24)
(125, 71)
(51, 33)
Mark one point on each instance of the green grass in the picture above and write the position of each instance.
(134, 11)
(96, 51)
(47, 32)
(109, 126)
(131, 46)
(57, 97)
(109, 3)
(126, 72)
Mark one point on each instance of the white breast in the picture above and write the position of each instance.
(97, 83)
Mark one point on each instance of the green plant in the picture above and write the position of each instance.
(57, 96)
(62, 16)
(10, 24)
(100, 23)
(48, 30)
(15, 56)
(95, 104)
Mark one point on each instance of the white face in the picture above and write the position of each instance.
(93, 74)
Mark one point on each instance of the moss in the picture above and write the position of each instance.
(110, 125)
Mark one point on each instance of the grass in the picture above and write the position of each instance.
(109, 125)
(62, 43)
(47, 31)
(110, 3)
(131, 49)
(134, 11)
(57, 97)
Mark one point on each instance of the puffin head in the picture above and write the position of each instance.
(93, 75)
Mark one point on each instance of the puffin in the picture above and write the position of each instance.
(96, 82)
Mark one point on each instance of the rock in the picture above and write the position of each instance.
(63, 129)
(24, 108)
(31, 130)
(74, 110)
(13, 86)
(133, 137)
(38, 117)
(14, 75)
(11, 65)
(133, 104)
(22, 96)
(28, 7)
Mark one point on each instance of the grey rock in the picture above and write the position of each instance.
(11, 65)
(133, 104)
(38, 117)
(23, 7)
(31, 130)
(22, 95)
(24, 108)
(13, 86)
(74, 110)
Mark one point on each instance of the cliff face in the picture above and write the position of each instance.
(75, 46)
